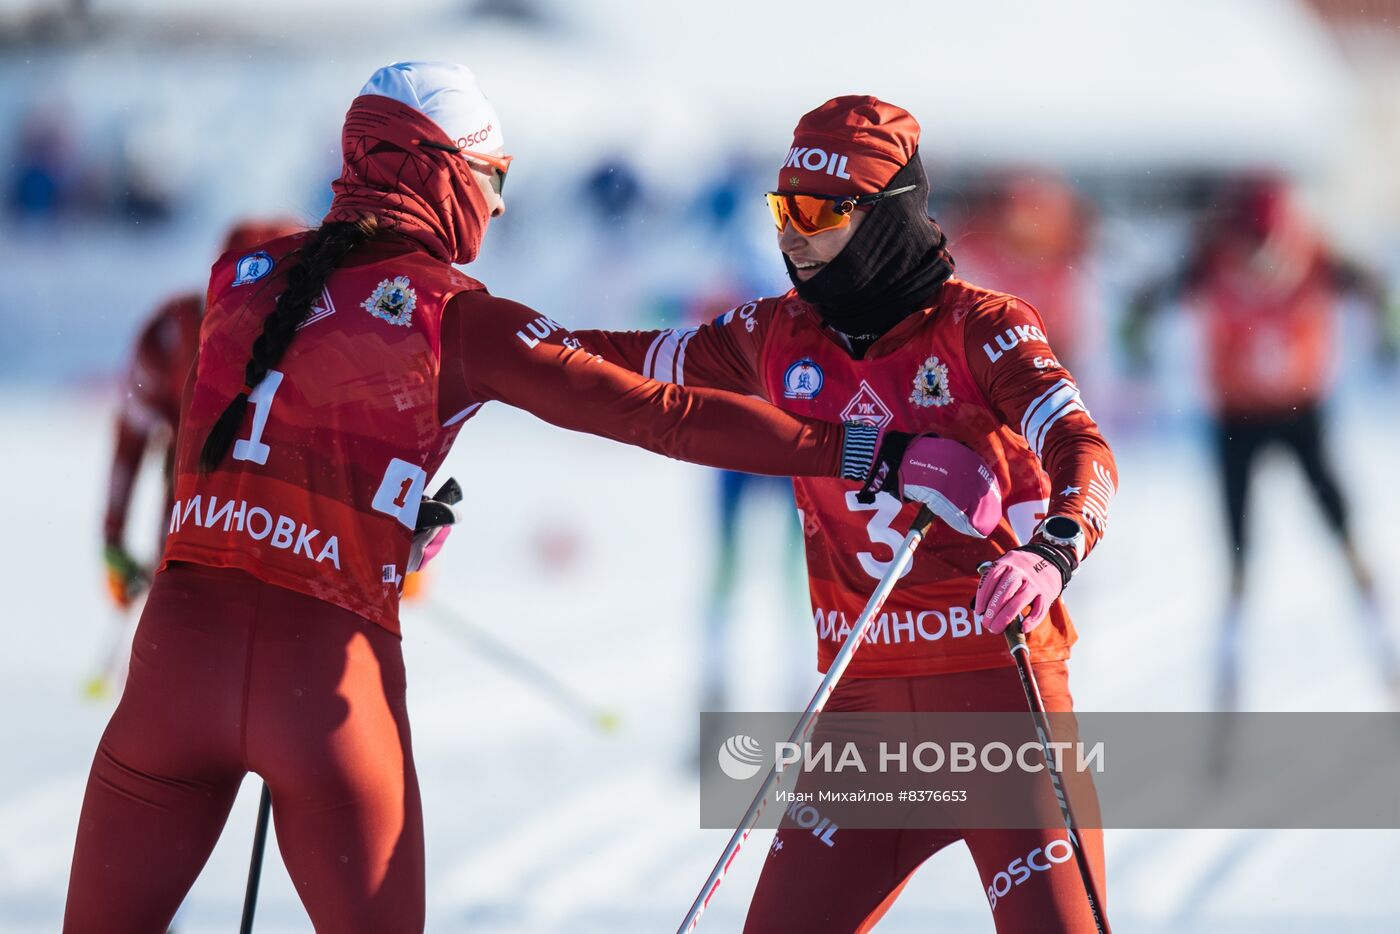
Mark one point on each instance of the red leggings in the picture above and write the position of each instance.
(810, 886)
(228, 676)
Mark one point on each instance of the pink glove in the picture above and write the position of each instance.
(426, 546)
(946, 476)
(1022, 583)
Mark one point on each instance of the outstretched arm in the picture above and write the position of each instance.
(720, 355)
(1148, 301)
(138, 417)
(1371, 289)
(507, 352)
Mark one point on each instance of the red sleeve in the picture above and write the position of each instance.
(721, 355)
(1011, 359)
(138, 417)
(151, 396)
(509, 353)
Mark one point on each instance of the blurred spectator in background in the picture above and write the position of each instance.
(614, 190)
(148, 177)
(149, 413)
(1031, 237)
(608, 266)
(135, 175)
(42, 174)
(734, 281)
(1269, 289)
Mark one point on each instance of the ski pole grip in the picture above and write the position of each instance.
(450, 492)
(1015, 638)
(922, 520)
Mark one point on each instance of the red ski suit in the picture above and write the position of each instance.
(975, 366)
(269, 640)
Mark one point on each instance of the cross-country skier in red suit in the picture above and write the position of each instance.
(149, 414)
(1269, 289)
(335, 369)
(878, 328)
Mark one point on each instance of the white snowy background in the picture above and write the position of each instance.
(535, 822)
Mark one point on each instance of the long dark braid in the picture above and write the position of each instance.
(328, 246)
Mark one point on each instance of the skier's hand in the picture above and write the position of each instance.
(426, 545)
(1023, 582)
(946, 476)
(436, 516)
(126, 579)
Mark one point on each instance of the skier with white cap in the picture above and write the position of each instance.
(335, 368)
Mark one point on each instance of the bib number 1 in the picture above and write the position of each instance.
(399, 493)
(252, 447)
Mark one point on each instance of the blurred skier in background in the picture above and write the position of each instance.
(335, 370)
(1269, 290)
(148, 415)
(878, 328)
(1031, 237)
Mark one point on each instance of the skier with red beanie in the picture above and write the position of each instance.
(878, 328)
(335, 368)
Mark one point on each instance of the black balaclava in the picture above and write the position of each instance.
(892, 266)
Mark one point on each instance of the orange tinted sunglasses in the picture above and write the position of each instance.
(500, 163)
(814, 214)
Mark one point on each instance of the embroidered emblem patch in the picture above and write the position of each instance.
(802, 380)
(392, 301)
(251, 268)
(931, 384)
(866, 407)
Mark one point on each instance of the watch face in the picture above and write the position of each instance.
(1061, 527)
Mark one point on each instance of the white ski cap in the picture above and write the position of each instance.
(445, 93)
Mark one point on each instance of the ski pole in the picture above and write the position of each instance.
(523, 668)
(438, 511)
(250, 895)
(1021, 653)
(116, 653)
(902, 556)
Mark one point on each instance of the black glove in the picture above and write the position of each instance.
(435, 518)
(436, 511)
(883, 476)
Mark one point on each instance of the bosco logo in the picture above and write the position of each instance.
(817, 160)
(474, 139)
(1041, 859)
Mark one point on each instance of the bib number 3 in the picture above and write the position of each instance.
(886, 509)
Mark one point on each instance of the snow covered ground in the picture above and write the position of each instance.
(536, 823)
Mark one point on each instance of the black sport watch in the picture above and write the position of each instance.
(1066, 533)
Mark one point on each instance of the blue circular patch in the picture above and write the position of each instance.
(802, 380)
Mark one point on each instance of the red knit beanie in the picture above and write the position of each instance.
(849, 145)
